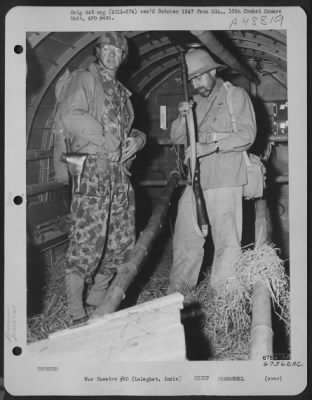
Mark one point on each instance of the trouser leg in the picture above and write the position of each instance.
(98, 290)
(75, 288)
(224, 206)
(89, 214)
(121, 230)
(120, 240)
(188, 247)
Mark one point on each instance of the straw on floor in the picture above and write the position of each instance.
(226, 318)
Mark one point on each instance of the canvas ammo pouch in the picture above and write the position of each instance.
(253, 189)
(255, 177)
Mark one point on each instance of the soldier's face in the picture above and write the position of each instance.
(203, 84)
(110, 56)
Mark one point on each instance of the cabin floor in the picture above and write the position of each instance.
(47, 301)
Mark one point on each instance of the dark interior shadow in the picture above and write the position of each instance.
(198, 347)
(143, 207)
(148, 268)
(35, 72)
(35, 274)
(249, 216)
(145, 166)
(130, 65)
(274, 202)
(223, 38)
(142, 118)
(264, 128)
(281, 342)
(36, 277)
(153, 260)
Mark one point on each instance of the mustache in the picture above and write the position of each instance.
(203, 89)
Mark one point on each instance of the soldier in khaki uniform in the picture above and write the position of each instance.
(222, 172)
(97, 113)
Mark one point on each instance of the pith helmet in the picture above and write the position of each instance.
(200, 61)
(117, 39)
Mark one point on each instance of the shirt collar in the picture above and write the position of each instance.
(107, 80)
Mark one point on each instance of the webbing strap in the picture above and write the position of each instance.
(229, 88)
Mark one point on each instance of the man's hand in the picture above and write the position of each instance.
(114, 156)
(129, 149)
(202, 149)
(184, 108)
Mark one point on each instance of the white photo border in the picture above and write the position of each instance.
(21, 373)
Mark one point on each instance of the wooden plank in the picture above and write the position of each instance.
(281, 179)
(263, 223)
(151, 331)
(261, 328)
(278, 138)
(38, 154)
(160, 182)
(38, 188)
(162, 304)
(48, 240)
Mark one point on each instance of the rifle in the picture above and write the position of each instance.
(202, 226)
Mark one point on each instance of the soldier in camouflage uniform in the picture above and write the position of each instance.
(97, 115)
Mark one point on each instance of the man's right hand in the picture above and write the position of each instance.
(184, 108)
(114, 156)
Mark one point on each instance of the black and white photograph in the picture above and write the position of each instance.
(162, 248)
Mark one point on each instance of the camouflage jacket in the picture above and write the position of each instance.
(97, 112)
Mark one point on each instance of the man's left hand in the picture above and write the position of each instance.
(129, 149)
(202, 149)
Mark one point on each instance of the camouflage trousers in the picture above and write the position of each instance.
(102, 231)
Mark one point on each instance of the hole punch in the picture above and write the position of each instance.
(18, 49)
(18, 200)
(17, 351)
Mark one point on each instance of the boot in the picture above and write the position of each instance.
(174, 287)
(98, 290)
(75, 287)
